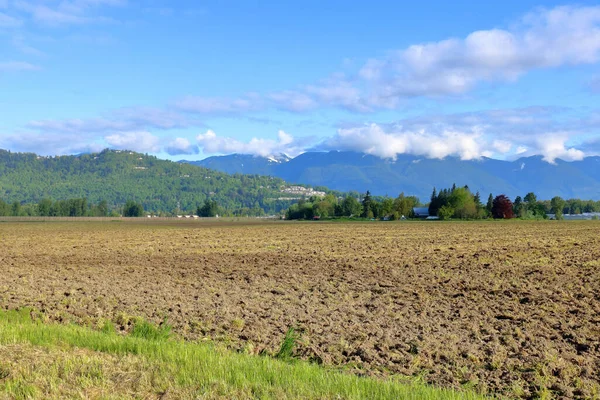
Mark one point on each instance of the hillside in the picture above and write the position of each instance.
(350, 171)
(117, 176)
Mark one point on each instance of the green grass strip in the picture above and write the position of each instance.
(207, 369)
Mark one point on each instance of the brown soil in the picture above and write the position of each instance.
(506, 308)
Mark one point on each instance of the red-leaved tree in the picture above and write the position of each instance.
(502, 207)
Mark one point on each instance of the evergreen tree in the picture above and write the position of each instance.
(433, 204)
(490, 204)
(367, 211)
(477, 199)
(518, 206)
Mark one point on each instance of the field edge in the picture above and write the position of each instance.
(50, 360)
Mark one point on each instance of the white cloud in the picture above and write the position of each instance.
(552, 132)
(285, 144)
(20, 44)
(546, 38)
(60, 144)
(502, 146)
(384, 142)
(553, 147)
(137, 141)
(123, 119)
(208, 105)
(81, 6)
(338, 92)
(15, 66)
(74, 12)
(292, 100)
(180, 146)
(507, 133)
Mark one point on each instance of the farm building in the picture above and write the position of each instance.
(576, 217)
(421, 212)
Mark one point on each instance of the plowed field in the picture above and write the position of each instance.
(507, 308)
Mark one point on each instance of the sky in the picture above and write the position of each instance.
(192, 79)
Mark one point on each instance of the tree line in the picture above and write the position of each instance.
(455, 202)
(79, 207)
(349, 206)
(451, 203)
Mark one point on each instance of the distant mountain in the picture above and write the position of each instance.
(241, 164)
(117, 176)
(351, 171)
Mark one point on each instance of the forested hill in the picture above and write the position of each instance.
(117, 176)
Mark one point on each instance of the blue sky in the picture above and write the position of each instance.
(189, 79)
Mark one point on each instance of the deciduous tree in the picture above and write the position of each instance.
(557, 204)
(133, 209)
(502, 207)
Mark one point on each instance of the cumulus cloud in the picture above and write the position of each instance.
(285, 144)
(509, 133)
(125, 128)
(181, 146)
(553, 132)
(554, 146)
(142, 141)
(376, 140)
(546, 38)
(60, 144)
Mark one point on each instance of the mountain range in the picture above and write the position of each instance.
(352, 171)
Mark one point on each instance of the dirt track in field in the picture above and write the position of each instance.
(506, 308)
